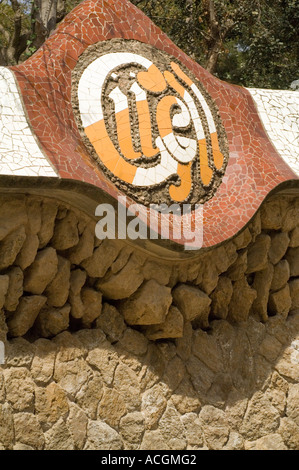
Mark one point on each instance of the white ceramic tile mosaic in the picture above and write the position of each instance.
(92, 81)
(19, 152)
(279, 112)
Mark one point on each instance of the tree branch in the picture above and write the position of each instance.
(22, 44)
(17, 28)
(15, 5)
(214, 25)
(5, 33)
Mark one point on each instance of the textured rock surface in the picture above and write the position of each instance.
(26, 314)
(28, 251)
(221, 297)
(4, 283)
(172, 327)
(41, 272)
(281, 275)
(66, 232)
(262, 284)
(122, 284)
(60, 258)
(280, 302)
(236, 389)
(57, 291)
(193, 303)
(52, 321)
(293, 258)
(10, 247)
(200, 354)
(257, 257)
(149, 305)
(242, 298)
(294, 293)
(15, 289)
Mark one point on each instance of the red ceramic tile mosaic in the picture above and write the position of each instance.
(254, 167)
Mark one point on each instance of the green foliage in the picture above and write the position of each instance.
(14, 29)
(253, 43)
(7, 18)
(25, 24)
(179, 19)
(265, 55)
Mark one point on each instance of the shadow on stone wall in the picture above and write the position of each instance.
(232, 387)
(228, 378)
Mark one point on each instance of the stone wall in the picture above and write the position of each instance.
(110, 348)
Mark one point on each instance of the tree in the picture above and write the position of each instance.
(264, 51)
(14, 31)
(201, 27)
(45, 14)
(247, 42)
(26, 24)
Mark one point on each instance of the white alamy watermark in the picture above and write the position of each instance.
(158, 222)
(2, 353)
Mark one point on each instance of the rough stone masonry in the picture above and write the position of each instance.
(107, 347)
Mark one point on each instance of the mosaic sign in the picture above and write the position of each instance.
(126, 114)
(150, 125)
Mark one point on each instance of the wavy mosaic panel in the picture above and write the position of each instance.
(111, 103)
